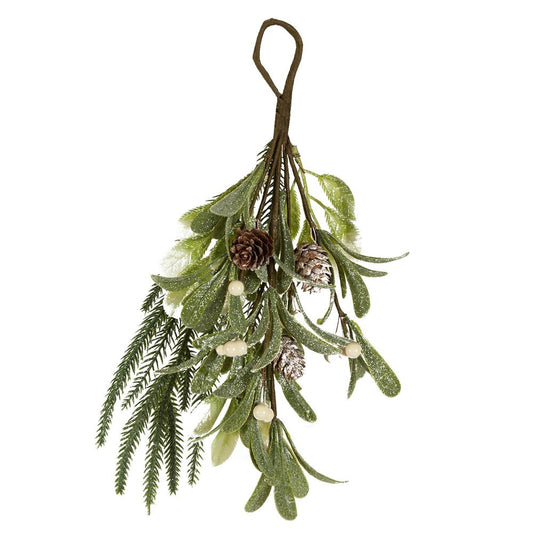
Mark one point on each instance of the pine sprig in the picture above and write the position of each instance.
(195, 456)
(173, 445)
(153, 358)
(154, 454)
(128, 365)
(151, 298)
(136, 426)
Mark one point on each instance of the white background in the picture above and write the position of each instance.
(117, 116)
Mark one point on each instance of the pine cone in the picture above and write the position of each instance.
(312, 263)
(251, 249)
(290, 361)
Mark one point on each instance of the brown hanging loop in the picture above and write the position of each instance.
(283, 108)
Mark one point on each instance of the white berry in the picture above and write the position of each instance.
(221, 350)
(263, 412)
(236, 287)
(241, 346)
(353, 350)
(231, 349)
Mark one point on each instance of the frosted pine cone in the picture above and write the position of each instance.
(290, 361)
(251, 249)
(312, 263)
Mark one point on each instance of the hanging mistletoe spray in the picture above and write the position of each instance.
(224, 330)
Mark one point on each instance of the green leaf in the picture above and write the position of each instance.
(283, 496)
(184, 365)
(295, 475)
(204, 222)
(365, 258)
(286, 252)
(360, 296)
(357, 371)
(235, 384)
(236, 315)
(208, 421)
(251, 282)
(326, 335)
(272, 342)
(262, 274)
(306, 466)
(303, 335)
(296, 213)
(305, 235)
(242, 412)
(223, 446)
(202, 308)
(380, 371)
(295, 399)
(338, 193)
(207, 373)
(261, 329)
(232, 203)
(191, 275)
(262, 459)
(212, 340)
(259, 496)
(368, 272)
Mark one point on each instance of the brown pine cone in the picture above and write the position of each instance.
(312, 263)
(251, 249)
(290, 361)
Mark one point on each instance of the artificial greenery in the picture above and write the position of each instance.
(174, 364)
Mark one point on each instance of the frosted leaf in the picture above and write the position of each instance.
(172, 303)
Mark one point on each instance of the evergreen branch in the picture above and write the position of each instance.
(154, 453)
(173, 445)
(196, 450)
(136, 426)
(151, 298)
(185, 388)
(127, 367)
(151, 361)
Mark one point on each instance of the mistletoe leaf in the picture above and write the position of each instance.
(360, 296)
(232, 203)
(367, 259)
(326, 335)
(251, 282)
(295, 475)
(207, 373)
(357, 371)
(205, 222)
(262, 459)
(213, 340)
(236, 315)
(242, 412)
(305, 235)
(287, 254)
(261, 329)
(223, 446)
(295, 399)
(202, 308)
(272, 342)
(306, 466)
(283, 496)
(259, 495)
(301, 334)
(381, 372)
(208, 421)
(235, 384)
(368, 272)
(191, 275)
(184, 365)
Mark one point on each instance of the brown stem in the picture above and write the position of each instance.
(341, 314)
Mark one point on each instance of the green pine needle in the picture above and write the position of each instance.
(128, 365)
(196, 451)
